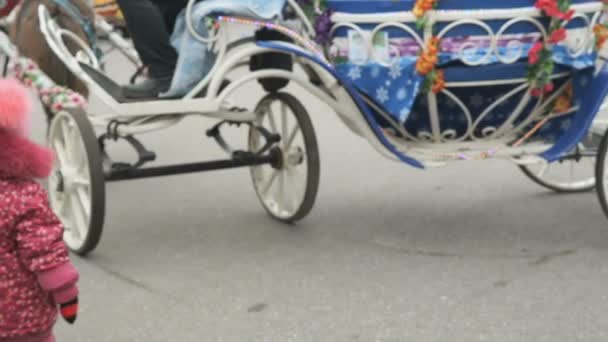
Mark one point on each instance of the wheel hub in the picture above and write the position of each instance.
(60, 182)
(294, 157)
(277, 158)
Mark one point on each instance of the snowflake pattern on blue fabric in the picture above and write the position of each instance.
(354, 73)
(394, 87)
(382, 95)
(395, 71)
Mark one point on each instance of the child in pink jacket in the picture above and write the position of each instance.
(36, 277)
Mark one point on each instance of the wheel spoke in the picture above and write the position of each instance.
(268, 185)
(61, 152)
(291, 138)
(80, 181)
(80, 221)
(284, 131)
(68, 139)
(66, 217)
(542, 170)
(281, 193)
(295, 195)
(60, 202)
(80, 157)
(84, 200)
(271, 120)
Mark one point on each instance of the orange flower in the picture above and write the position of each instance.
(438, 82)
(562, 104)
(564, 101)
(428, 5)
(423, 6)
(431, 58)
(423, 67)
(428, 59)
(601, 34)
(418, 11)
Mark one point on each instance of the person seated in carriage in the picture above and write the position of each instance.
(159, 30)
(150, 23)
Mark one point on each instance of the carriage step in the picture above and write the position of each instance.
(143, 155)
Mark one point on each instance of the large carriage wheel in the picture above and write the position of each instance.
(77, 186)
(288, 189)
(600, 173)
(575, 172)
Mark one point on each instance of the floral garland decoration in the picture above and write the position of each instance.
(421, 7)
(601, 30)
(320, 14)
(601, 35)
(540, 56)
(54, 97)
(426, 65)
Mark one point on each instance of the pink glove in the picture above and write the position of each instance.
(61, 283)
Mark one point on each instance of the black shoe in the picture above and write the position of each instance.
(147, 89)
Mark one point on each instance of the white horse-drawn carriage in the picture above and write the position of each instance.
(426, 82)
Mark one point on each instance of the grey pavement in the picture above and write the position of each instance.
(471, 252)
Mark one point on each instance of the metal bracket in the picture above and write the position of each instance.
(270, 138)
(143, 154)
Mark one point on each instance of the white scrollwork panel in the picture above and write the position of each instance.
(515, 42)
(450, 135)
(470, 48)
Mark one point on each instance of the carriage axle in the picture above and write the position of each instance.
(239, 160)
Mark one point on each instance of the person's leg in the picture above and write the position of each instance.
(146, 24)
(170, 10)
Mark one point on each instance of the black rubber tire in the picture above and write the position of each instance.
(312, 155)
(550, 186)
(592, 141)
(600, 171)
(97, 180)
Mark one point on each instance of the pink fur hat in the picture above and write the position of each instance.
(15, 106)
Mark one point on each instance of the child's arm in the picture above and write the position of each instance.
(41, 247)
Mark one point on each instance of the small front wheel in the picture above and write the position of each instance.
(574, 172)
(77, 185)
(287, 189)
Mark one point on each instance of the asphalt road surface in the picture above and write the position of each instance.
(471, 252)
